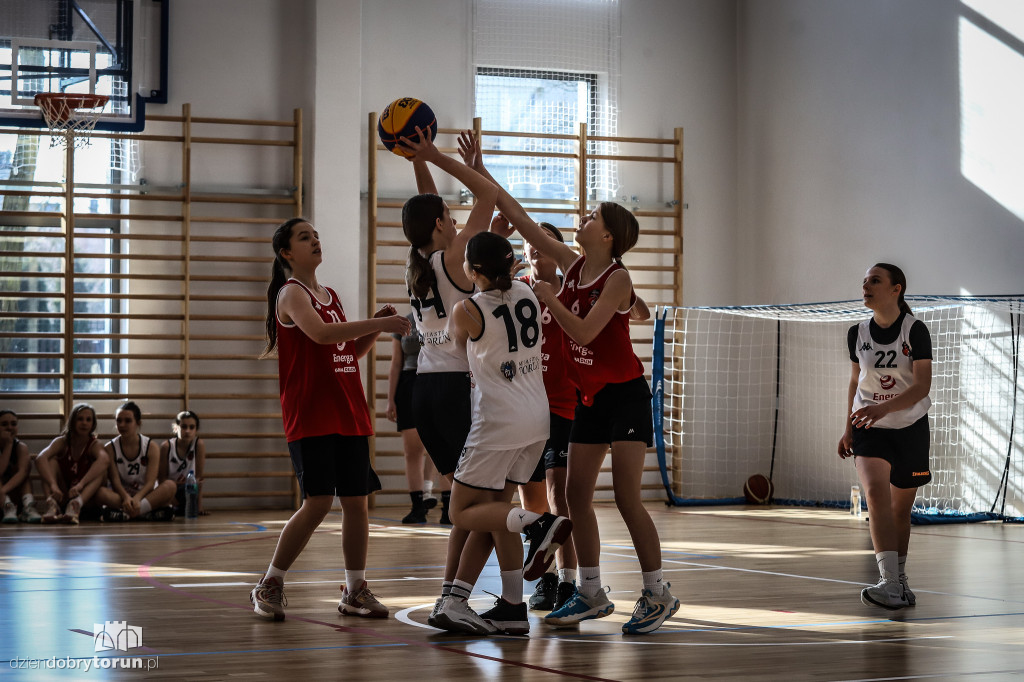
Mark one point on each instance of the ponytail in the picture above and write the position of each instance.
(491, 255)
(419, 218)
(419, 276)
(278, 276)
(896, 276)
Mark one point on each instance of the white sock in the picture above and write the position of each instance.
(28, 500)
(590, 580)
(461, 588)
(428, 488)
(567, 575)
(518, 519)
(7, 499)
(274, 572)
(653, 581)
(512, 586)
(888, 564)
(903, 564)
(446, 588)
(145, 507)
(354, 579)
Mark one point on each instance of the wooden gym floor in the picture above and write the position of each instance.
(767, 593)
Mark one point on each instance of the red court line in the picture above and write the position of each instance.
(145, 574)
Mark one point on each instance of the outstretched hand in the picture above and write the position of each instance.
(395, 324)
(469, 150)
(501, 226)
(420, 149)
(386, 310)
(544, 292)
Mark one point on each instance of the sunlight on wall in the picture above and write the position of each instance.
(992, 104)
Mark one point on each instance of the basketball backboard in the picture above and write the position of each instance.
(116, 48)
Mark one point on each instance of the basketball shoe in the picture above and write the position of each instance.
(456, 615)
(432, 618)
(545, 535)
(563, 594)
(508, 618)
(52, 512)
(361, 603)
(579, 608)
(651, 611)
(887, 593)
(543, 598)
(10, 512)
(268, 598)
(72, 511)
(907, 592)
(29, 514)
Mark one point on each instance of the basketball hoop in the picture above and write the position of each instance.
(70, 116)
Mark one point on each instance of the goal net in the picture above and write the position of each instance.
(763, 389)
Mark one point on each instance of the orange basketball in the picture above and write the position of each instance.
(758, 489)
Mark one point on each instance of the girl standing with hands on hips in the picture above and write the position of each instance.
(887, 432)
(326, 419)
(593, 307)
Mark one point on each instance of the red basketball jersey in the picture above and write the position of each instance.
(609, 358)
(321, 392)
(72, 470)
(560, 388)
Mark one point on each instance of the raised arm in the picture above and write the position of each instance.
(364, 343)
(513, 211)
(424, 180)
(583, 330)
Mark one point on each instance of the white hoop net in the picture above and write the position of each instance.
(71, 118)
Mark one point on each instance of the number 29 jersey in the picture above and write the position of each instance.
(510, 405)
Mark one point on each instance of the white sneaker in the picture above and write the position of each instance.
(432, 618)
(10, 512)
(579, 608)
(456, 615)
(888, 594)
(911, 597)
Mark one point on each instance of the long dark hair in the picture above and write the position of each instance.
(896, 276)
(622, 225)
(80, 407)
(491, 255)
(419, 218)
(554, 231)
(278, 276)
(131, 407)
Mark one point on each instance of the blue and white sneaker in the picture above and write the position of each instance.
(579, 608)
(650, 612)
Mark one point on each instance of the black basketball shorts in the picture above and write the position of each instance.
(906, 451)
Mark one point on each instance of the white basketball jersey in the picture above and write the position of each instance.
(510, 405)
(177, 467)
(132, 471)
(885, 372)
(433, 316)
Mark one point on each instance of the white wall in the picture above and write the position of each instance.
(849, 141)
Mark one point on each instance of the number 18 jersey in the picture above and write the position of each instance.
(510, 405)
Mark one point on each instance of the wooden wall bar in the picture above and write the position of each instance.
(179, 274)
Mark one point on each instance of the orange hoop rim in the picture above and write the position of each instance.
(60, 105)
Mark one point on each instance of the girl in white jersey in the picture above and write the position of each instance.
(500, 329)
(133, 470)
(887, 431)
(441, 395)
(185, 451)
(593, 307)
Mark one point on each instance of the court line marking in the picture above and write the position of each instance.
(143, 572)
(638, 642)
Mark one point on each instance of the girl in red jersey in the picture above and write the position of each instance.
(593, 307)
(887, 432)
(72, 466)
(326, 419)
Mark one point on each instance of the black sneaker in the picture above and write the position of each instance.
(113, 515)
(416, 515)
(445, 521)
(563, 594)
(543, 598)
(429, 502)
(545, 535)
(508, 619)
(162, 514)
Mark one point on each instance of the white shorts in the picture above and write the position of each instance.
(489, 469)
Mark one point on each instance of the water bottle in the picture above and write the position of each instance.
(191, 496)
(855, 501)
